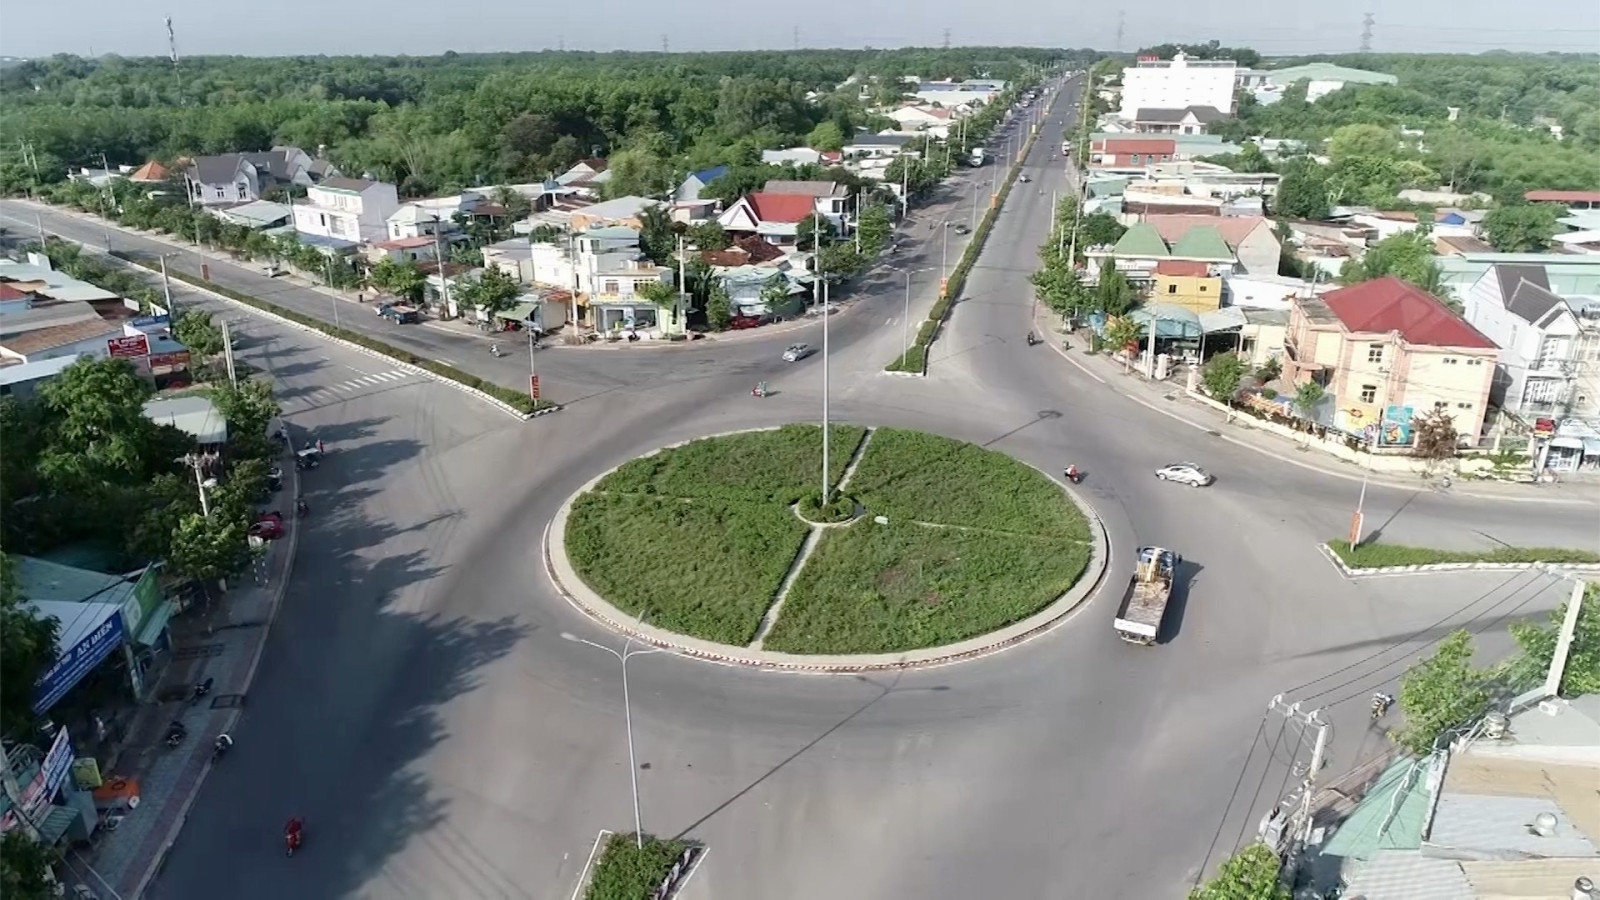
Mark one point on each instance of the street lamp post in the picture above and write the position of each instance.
(905, 322)
(627, 652)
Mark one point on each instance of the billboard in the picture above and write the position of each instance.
(129, 346)
(77, 661)
(1396, 430)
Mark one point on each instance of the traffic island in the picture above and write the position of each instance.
(633, 868)
(929, 549)
(1377, 558)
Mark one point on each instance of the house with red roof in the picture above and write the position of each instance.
(1389, 352)
(1130, 152)
(774, 217)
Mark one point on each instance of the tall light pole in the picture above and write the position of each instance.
(826, 316)
(905, 323)
(627, 652)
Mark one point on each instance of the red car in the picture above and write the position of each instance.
(269, 527)
(742, 322)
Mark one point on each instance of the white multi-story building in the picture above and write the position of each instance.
(347, 209)
(1549, 362)
(1178, 83)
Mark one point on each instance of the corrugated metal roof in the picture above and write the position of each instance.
(1204, 243)
(1408, 875)
(1380, 821)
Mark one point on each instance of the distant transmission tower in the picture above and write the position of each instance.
(561, 43)
(172, 42)
(665, 47)
(797, 37)
(1122, 24)
(947, 39)
(1366, 33)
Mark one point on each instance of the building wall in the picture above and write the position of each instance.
(1455, 380)
(1192, 292)
(1176, 87)
(1258, 253)
(327, 222)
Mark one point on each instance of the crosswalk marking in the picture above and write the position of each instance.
(334, 393)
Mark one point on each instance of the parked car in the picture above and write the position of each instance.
(1185, 473)
(797, 352)
(1023, 178)
(269, 527)
(742, 322)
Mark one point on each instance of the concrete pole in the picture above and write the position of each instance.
(826, 316)
(166, 290)
(1558, 662)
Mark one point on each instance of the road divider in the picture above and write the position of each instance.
(517, 403)
(915, 360)
(1375, 558)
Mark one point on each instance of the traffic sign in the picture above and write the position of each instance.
(533, 386)
(944, 285)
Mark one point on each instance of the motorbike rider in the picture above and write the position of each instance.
(1072, 473)
(292, 832)
(494, 349)
(1031, 339)
(1380, 704)
(223, 742)
(301, 507)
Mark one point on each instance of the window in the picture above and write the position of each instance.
(1475, 362)
(1374, 353)
(1463, 406)
(221, 193)
(610, 287)
(1451, 360)
(1369, 393)
(1440, 405)
(1172, 289)
(1134, 159)
(1202, 289)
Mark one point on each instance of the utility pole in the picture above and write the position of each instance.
(227, 352)
(797, 37)
(166, 290)
(8, 780)
(1367, 22)
(1558, 662)
(172, 43)
(1288, 837)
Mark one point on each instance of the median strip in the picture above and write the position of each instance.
(1377, 558)
(915, 360)
(516, 402)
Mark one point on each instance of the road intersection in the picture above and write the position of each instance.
(419, 708)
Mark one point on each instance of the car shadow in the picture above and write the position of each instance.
(1178, 603)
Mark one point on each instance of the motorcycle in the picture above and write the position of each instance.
(220, 746)
(494, 351)
(1031, 339)
(760, 390)
(201, 689)
(1380, 705)
(301, 508)
(176, 732)
(293, 835)
(1072, 474)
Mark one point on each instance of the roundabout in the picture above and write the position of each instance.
(930, 550)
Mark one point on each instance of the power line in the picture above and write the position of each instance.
(1222, 822)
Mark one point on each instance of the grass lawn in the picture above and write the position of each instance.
(758, 466)
(875, 588)
(705, 568)
(927, 478)
(625, 872)
(1377, 555)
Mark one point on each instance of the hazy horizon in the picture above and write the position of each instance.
(414, 28)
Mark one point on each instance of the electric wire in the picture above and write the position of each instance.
(1222, 822)
(1272, 754)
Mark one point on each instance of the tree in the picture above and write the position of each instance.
(403, 280)
(1435, 436)
(1522, 228)
(837, 262)
(1441, 693)
(775, 291)
(1581, 675)
(708, 236)
(1112, 292)
(719, 307)
(1059, 287)
(27, 649)
(248, 406)
(658, 236)
(1407, 256)
(810, 230)
(1098, 230)
(1250, 874)
(97, 429)
(1302, 191)
(1306, 398)
(1222, 376)
(663, 294)
(25, 866)
(874, 226)
(492, 291)
(1122, 334)
(195, 330)
(1352, 141)
(826, 136)
(209, 549)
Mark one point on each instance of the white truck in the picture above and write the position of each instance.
(1145, 606)
(978, 156)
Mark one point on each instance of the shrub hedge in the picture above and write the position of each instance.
(516, 399)
(916, 358)
(1377, 555)
(626, 872)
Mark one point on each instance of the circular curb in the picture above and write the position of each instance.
(595, 607)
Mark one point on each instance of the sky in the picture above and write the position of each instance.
(426, 27)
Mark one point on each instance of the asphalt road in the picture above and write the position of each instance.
(419, 708)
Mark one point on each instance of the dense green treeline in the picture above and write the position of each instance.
(435, 123)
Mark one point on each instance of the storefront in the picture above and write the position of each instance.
(1573, 447)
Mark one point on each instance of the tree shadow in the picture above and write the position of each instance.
(342, 468)
(337, 433)
(304, 367)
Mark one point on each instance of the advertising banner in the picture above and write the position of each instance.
(1396, 431)
(76, 662)
(129, 346)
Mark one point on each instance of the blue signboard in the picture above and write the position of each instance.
(144, 322)
(77, 662)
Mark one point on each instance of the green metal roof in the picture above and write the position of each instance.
(1328, 72)
(1379, 822)
(1142, 240)
(1202, 242)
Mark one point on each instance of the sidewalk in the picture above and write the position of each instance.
(224, 643)
(1170, 399)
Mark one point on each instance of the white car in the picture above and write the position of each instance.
(797, 352)
(1185, 473)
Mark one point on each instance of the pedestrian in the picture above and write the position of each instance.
(320, 447)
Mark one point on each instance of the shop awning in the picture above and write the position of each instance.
(1567, 443)
(522, 312)
(1171, 320)
(1591, 446)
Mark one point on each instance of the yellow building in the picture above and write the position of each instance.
(1187, 283)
